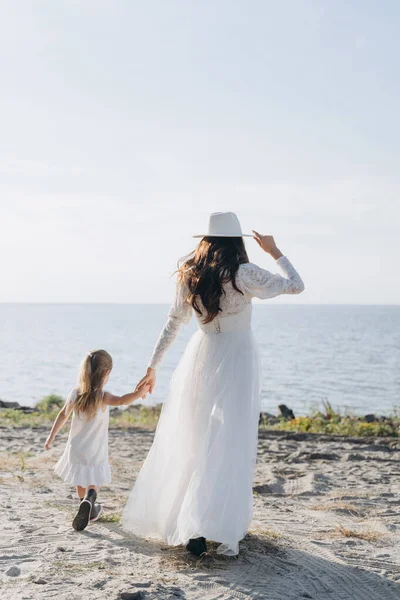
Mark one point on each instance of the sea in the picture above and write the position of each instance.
(345, 354)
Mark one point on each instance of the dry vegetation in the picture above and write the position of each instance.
(368, 535)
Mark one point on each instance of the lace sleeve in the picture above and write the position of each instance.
(262, 284)
(180, 312)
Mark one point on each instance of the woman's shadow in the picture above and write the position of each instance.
(264, 570)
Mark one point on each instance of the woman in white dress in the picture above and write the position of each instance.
(196, 482)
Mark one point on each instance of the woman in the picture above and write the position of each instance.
(196, 482)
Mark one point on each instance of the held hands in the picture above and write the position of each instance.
(267, 243)
(144, 389)
(148, 381)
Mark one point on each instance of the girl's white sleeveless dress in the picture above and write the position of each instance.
(85, 458)
(197, 478)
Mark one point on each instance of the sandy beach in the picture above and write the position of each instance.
(326, 526)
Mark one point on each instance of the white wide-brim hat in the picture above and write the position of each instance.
(223, 224)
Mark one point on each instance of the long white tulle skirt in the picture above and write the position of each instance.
(197, 478)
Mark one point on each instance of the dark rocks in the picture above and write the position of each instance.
(370, 418)
(286, 412)
(4, 404)
(267, 419)
(40, 581)
(16, 406)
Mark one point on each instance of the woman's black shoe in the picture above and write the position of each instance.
(197, 546)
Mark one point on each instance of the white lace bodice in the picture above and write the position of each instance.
(252, 281)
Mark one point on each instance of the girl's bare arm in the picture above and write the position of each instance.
(126, 399)
(60, 420)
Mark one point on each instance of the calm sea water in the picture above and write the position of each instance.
(349, 355)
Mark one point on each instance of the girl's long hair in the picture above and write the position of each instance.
(94, 369)
(213, 263)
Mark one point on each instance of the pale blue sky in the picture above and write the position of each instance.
(124, 123)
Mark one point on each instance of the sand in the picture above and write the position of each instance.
(326, 526)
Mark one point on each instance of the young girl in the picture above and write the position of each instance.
(84, 462)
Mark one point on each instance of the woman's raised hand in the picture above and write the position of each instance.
(148, 380)
(267, 243)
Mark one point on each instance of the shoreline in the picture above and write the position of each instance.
(324, 421)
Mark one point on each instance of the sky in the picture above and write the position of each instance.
(123, 124)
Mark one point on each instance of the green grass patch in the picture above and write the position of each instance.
(45, 412)
(9, 417)
(110, 518)
(136, 416)
(50, 404)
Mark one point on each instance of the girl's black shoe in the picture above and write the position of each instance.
(197, 546)
(96, 513)
(82, 517)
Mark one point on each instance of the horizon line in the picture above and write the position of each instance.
(261, 303)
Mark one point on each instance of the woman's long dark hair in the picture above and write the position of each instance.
(215, 261)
